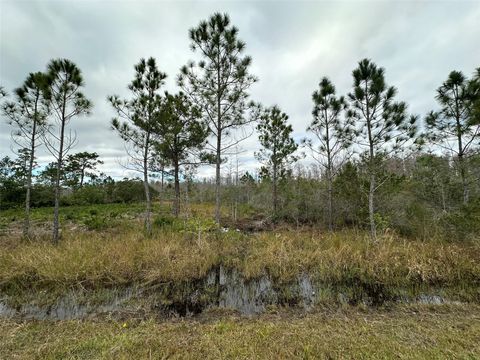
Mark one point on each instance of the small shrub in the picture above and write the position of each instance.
(382, 222)
(196, 225)
(96, 223)
(162, 221)
(462, 224)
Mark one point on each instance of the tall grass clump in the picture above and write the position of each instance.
(347, 258)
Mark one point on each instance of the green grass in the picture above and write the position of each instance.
(76, 218)
(77, 213)
(402, 332)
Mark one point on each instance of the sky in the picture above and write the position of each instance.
(293, 44)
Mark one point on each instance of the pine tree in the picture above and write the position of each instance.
(66, 102)
(48, 175)
(28, 115)
(182, 137)
(382, 125)
(78, 165)
(278, 147)
(140, 115)
(333, 135)
(218, 85)
(455, 127)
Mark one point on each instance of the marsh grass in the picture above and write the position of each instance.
(186, 249)
(117, 253)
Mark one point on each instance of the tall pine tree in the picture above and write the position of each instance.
(456, 126)
(218, 85)
(333, 135)
(382, 125)
(66, 102)
(182, 137)
(277, 147)
(140, 116)
(28, 115)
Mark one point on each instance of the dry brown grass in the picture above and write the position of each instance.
(346, 255)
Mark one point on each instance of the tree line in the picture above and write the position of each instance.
(364, 133)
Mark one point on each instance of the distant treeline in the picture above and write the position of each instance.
(99, 190)
(421, 195)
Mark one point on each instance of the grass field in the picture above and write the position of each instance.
(401, 332)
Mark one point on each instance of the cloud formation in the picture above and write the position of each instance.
(293, 44)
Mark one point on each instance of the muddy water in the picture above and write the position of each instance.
(221, 288)
(252, 297)
(65, 308)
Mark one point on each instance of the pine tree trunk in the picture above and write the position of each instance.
(82, 176)
(330, 202)
(26, 224)
(56, 210)
(442, 192)
(371, 208)
(162, 179)
(176, 205)
(56, 224)
(371, 192)
(275, 200)
(461, 152)
(329, 172)
(464, 180)
(187, 198)
(148, 222)
(219, 143)
(217, 179)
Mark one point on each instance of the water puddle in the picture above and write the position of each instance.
(221, 288)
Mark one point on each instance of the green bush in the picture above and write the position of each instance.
(97, 222)
(128, 191)
(462, 224)
(89, 194)
(162, 221)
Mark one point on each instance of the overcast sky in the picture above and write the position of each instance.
(293, 44)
